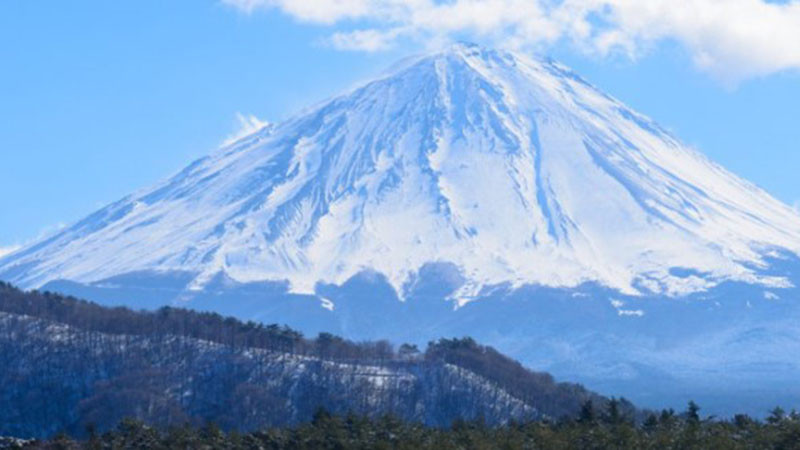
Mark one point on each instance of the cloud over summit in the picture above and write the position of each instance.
(731, 39)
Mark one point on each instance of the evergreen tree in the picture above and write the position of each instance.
(587, 414)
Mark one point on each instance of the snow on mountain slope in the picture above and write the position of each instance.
(514, 169)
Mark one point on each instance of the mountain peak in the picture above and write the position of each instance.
(510, 170)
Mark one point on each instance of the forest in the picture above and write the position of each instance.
(70, 365)
(77, 375)
(601, 429)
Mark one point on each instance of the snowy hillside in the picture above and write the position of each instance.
(175, 367)
(512, 169)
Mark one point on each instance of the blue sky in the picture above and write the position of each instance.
(99, 98)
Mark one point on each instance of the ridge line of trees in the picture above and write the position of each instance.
(592, 430)
(69, 361)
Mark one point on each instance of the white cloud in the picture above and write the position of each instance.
(43, 233)
(731, 39)
(319, 11)
(8, 250)
(619, 306)
(247, 124)
(363, 40)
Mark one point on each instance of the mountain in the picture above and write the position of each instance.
(514, 170)
(174, 366)
(468, 192)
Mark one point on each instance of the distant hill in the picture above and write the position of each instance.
(69, 364)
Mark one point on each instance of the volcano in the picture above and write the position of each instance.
(512, 169)
(486, 171)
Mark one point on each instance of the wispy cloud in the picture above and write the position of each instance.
(8, 250)
(364, 40)
(43, 233)
(731, 39)
(246, 125)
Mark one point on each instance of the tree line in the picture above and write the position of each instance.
(68, 363)
(591, 430)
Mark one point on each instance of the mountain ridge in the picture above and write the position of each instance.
(170, 367)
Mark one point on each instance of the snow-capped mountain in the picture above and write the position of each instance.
(575, 235)
(514, 170)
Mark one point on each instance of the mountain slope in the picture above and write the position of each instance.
(514, 170)
(174, 366)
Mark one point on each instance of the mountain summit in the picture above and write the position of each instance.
(513, 170)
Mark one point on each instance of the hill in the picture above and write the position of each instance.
(70, 364)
